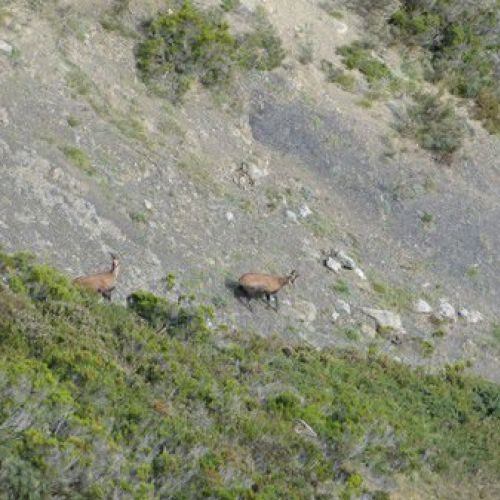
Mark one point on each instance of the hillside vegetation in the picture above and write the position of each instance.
(102, 401)
(199, 140)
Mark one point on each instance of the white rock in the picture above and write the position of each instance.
(471, 317)
(345, 260)
(475, 317)
(229, 216)
(335, 316)
(359, 272)
(148, 205)
(6, 47)
(256, 172)
(368, 331)
(291, 216)
(4, 117)
(340, 27)
(303, 428)
(305, 211)
(333, 265)
(446, 310)
(422, 307)
(385, 319)
(343, 306)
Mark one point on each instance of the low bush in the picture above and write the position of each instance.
(358, 56)
(433, 123)
(338, 76)
(192, 45)
(460, 39)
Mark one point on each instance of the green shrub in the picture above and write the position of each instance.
(186, 46)
(358, 56)
(433, 123)
(228, 5)
(338, 76)
(488, 109)
(461, 43)
(73, 121)
(79, 158)
(192, 45)
(261, 49)
(341, 286)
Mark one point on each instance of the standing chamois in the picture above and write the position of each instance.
(253, 285)
(103, 283)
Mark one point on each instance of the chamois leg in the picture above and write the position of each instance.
(240, 293)
(268, 299)
(276, 303)
(106, 292)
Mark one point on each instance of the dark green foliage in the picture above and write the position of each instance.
(79, 158)
(488, 109)
(185, 46)
(96, 403)
(358, 56)
(433, 123)
(461, 41)
(191, 45)
(228, 5)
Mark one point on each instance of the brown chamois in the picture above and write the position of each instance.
(253, 285)
(103, 283)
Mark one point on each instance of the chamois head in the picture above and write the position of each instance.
(115, 262)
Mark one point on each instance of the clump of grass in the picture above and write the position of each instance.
(341, 286)
(73, 121)
(229, 5)
(488, 109)
(170, 281)
(139, 217)
(331, 10)
(79, 158)
(427, 348)
(78, 82)
(306, 52)
(426, 217)
(433, 123)
(113, 19)
(439, 333)
(352, 334)
(261, 48)
(472, 272)
(495, 331)
(338, 76)
(393, 297)
(358, 56)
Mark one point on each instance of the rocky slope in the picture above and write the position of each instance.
(270, 174)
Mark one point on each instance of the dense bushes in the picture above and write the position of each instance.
(461, 40)
(96, 401)
(190, 44)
